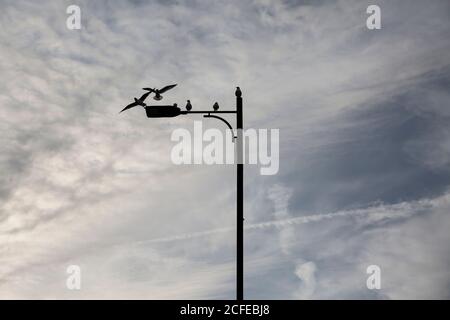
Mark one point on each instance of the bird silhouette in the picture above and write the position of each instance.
(238, 92)
(188, 105)
(216, 106)
(158, 92)
(137, 102)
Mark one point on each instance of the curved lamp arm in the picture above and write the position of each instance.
(220, 118)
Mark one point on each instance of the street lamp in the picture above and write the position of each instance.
(169, 111)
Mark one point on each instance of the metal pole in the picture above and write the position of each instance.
(240, 176)
(240, 200)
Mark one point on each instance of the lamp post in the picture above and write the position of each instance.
(173, 111)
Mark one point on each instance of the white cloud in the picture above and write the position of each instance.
(79, 182)
(305, 272)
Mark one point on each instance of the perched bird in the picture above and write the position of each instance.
(137, 102)
(188, 105)
(238, 92)
(216, 106)
(158, 92)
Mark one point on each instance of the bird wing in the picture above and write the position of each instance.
(167, 88)
(144, 96)
(148, 89)
(131, 105)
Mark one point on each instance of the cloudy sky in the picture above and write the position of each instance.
(364, 149)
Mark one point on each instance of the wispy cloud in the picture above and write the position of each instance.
(363, 118)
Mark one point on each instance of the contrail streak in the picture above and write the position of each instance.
(375, 213)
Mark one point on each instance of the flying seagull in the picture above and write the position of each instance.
(158, 92)
(137, 102)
